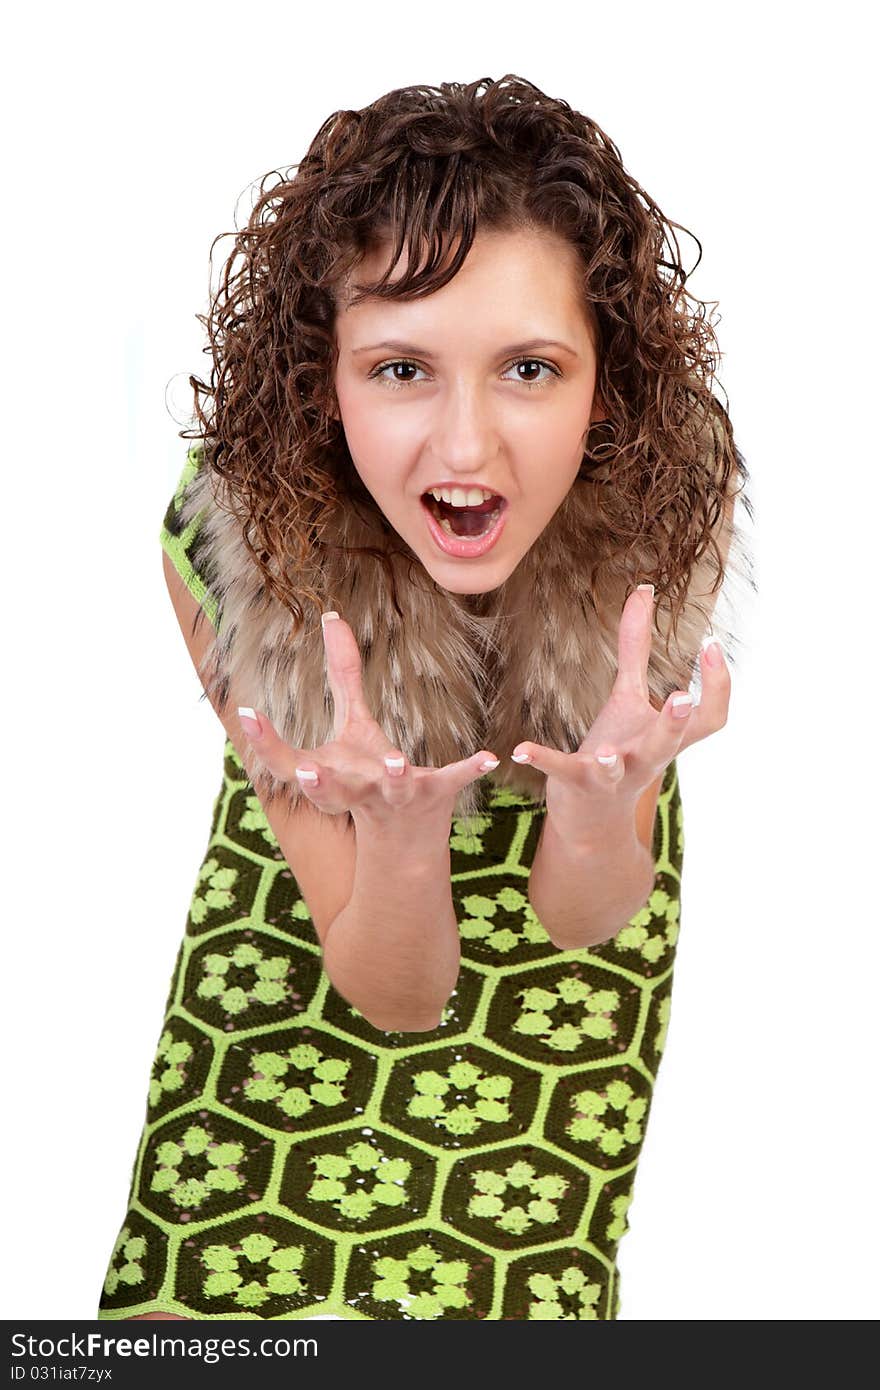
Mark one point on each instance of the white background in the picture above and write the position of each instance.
(131, 140)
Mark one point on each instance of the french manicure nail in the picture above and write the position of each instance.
(682, 705)
(305, 775)
(249, 721)
(488, 765)
(648, 586)
(521, 757)
(608, 761)
(331, 613)
(712, 647)
(394, 765)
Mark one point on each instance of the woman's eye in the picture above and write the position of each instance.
(390, 366)
(533, 362)
(379, 373)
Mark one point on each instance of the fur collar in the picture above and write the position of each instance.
(534, 659)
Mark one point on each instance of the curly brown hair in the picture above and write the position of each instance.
(426, 167)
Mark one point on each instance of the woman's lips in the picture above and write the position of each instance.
(460, 546)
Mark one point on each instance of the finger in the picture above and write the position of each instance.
(711, 713)
(343, 659)
(666, 736)
(454, 776)
(634, 638)
(287, 763)
(398, 785)
(276, 755)
(571, 767)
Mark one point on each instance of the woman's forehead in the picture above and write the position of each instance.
(507, 277)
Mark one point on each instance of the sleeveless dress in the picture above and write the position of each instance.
(296, 1162)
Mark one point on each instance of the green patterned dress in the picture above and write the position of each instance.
(295, 1161)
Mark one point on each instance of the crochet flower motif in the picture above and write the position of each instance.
(396, 1278)
(255, 978)
(570, 1298)
(216, 1161)
(253, 1271)
(357, 1202)
(253, 818)
(478, 925)
(617, 1225)
(659, 909)
(545, 1013)
(213, 890)
(545, 1192)
(597, 1123)
(169, 1067)
(436, 1092)
(129, 1250)
(268, 1080)
(467, 834)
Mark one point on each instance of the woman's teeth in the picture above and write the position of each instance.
(462, 496)
(466, 521)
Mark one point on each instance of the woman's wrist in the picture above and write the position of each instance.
(584, 888)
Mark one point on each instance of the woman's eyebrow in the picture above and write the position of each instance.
(413, 350)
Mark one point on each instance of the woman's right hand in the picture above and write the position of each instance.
(350, 772)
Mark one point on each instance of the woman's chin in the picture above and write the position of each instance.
(462, 579)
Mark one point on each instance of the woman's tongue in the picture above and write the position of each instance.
(468, 521)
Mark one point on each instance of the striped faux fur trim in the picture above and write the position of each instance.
(537, 662)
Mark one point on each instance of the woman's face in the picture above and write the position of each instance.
(487, 384)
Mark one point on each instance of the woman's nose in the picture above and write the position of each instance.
(464, 434)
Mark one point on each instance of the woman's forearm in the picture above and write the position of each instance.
(584, 893)
(393, 951)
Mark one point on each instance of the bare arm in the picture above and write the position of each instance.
(583, 894)
(584, 889)
(393, 952)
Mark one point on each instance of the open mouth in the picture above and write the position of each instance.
(466, 522)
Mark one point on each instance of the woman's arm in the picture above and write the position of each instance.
(382, 910)
(393, 951)
(582, 894)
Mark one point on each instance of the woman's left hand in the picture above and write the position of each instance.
(581, 790)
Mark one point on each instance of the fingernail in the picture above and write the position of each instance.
(608, 761)
(249, 721)
(488, 765)
(329, 614)
(712, 647)
(394, 765)
(521, 757)
(681, 705)
(305, 775)
(648, 586)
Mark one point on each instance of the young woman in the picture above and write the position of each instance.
(458, 517)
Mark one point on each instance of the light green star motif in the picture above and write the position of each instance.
(545, 1192)
(126, 1261)
(213, 891)
(435, 1094)
(549, 1305)
(267, 984)
(253, 1271)
(218, 1164)
(660, 913)
(342, 1180)
(610, 1119)
(322, 1079)
(536, 1018)
(253, 818)
(169, 1068)
(479, 926)
(448, 1279)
